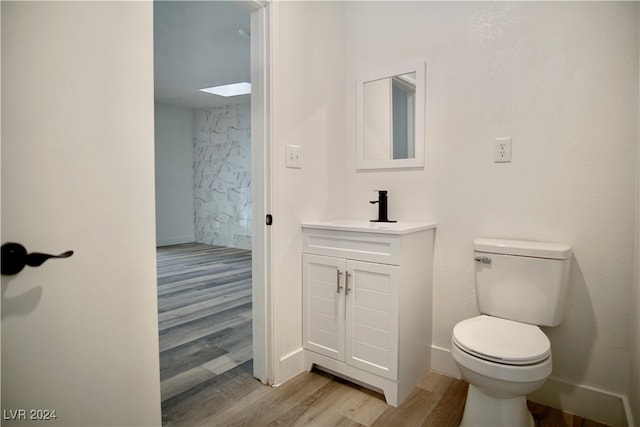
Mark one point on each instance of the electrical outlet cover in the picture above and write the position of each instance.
(502, 150)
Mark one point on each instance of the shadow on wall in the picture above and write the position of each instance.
(573, 340)
(20, 304)
(572, 345)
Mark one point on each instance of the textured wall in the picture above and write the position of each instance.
(222, 176)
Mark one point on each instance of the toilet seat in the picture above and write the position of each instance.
(502, 341)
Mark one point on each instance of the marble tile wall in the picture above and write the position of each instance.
(222, 176)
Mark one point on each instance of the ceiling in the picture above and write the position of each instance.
(197, 44)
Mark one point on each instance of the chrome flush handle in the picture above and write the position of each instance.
(483, 259)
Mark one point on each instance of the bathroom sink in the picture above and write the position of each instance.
(400, 227)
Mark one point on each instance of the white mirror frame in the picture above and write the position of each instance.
(416, 162)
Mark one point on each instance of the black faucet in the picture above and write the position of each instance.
(382, 207)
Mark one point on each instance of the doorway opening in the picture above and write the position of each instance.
(205, 167)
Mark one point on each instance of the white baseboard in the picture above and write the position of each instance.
(168, 241)
(628, 411)
(587, 402)
(577, 399)
(290, 365)
(442, 362)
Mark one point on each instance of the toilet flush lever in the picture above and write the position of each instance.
(483, 259)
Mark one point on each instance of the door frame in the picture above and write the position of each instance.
(262, 296)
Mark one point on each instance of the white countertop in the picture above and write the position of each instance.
(400, 227)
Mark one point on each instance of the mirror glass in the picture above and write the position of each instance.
(391, 119)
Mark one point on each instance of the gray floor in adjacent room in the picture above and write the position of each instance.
(204, 310)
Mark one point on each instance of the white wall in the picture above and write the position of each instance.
(174, 174)
(562, 80)
(308, 110)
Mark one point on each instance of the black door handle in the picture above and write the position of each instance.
(15, 257)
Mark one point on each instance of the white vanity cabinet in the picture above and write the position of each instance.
(367, 302)
(351, 312)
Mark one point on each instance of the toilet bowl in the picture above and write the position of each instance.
(502, 353)
(503, 361)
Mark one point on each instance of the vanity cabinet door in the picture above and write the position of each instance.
(372, 300)
(323, 305)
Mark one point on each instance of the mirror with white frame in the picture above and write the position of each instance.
(390, 118)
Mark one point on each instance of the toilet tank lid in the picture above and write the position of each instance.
(522, 248)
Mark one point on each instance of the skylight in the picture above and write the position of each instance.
(234, 89)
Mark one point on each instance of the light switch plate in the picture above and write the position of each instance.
(294, 157)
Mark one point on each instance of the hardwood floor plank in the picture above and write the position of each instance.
(266, 405)
(436, 383)
(193, 330)
(550, 417)
(308, 409)
(367, 409)
(319, 408)
(205, 278)
(177, 300)
(191, 253)
(187, 285)
(205, 254)
(413, 411)
(207, 399)
(341, 403)
(189, 355)
(191, 312)
(235, 342)
(185, 380)
(229, 361)
(448, 411)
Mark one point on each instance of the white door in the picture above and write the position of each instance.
(79, 335)
(372, 317)
(323, 305)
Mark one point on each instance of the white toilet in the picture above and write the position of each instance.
(502, 353)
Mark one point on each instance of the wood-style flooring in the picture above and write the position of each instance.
(204, 303)
(204, 310)
(319, 399)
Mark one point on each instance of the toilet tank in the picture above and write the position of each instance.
(522, 280)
